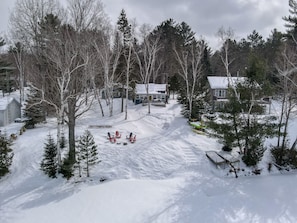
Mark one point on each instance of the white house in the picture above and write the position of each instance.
(10, 109)
(156, 93)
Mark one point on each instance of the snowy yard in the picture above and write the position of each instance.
(163, 177)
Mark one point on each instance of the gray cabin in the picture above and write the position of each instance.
(10, 109)
(156, 93)
(219, 89)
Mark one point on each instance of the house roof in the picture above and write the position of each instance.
(4, 102)
(153, 88)
(218, 82)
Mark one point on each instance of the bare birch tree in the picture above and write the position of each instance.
(87, 15)
(108, 56)
(225, 35)
(189, 61)
(62, 53)
(26, 17)
(287, 70)
(24, 29)
(128, 61)
(93, 71)
(146, 57)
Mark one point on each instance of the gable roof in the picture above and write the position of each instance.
(153, 88)
(4, 102)
(218, 82)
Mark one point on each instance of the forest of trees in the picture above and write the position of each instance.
(67, 55)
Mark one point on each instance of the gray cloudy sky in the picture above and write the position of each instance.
(205, 17)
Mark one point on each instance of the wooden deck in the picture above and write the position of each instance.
(221, 159)
(215, 158)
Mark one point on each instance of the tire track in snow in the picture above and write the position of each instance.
(190, 157)
(171, 132)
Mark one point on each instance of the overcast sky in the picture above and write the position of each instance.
(205, 17)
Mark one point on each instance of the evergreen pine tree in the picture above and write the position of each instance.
(2, 62)
(174, 86)
(6, 155)
(168, 32)
(87, 154)
(241, 127)
(291, 20)
(34, 110)
(254, 135)
(123, 38)
(5, 85)
(228, 129)
(49, 162)
(206, 66)
(273, 49)
(186, 34)
(124, 27)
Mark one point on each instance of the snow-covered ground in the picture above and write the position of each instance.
(163, 177)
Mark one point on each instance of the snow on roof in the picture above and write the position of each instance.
(153, 88)
(217, 82)
(4, 102)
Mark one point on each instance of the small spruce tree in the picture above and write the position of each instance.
(34, 110)
(67, 168)
(87, 154)
(49, 162)
(6, 155)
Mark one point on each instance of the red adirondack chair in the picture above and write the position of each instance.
(117, 134)
(112, 139)
(132, 139)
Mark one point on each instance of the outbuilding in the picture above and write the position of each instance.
(10, 109)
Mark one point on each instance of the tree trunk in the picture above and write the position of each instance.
(280, 122)
(59, 127)
(97, 96)
(87, 167)
(122, 96)
(247, 143)
(111, 107)
(236, 133)
(285, 133)
(127, 81)
(71, 130)
(148, 98)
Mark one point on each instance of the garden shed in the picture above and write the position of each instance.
(10, 109)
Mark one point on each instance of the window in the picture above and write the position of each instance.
(220, 93)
